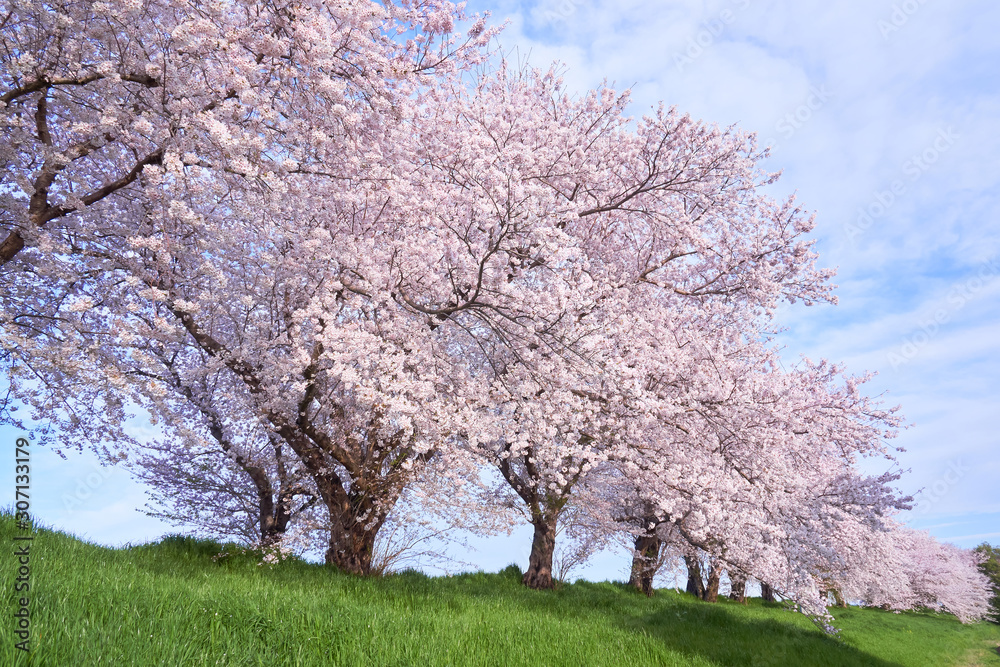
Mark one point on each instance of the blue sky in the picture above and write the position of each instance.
(885, 119)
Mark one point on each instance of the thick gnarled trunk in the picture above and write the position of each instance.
(544, 511)
(543, 546)
(355, 520)
(351, 550)
(714, 579)
(645, 559)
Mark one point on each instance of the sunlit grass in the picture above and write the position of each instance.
(171, 604)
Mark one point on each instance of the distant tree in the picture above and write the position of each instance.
(737, 586)
(990, 566)
(900, 568)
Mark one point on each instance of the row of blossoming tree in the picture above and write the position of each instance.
(359, 269)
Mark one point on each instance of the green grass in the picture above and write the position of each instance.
(170, 604)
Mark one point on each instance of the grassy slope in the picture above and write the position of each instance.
(170, 604)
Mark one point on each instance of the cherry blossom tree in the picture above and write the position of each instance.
(227, 477)
(900, 568)
(98, 101)
(640, 234)
(171, 156)
(786, 445)
(837, 534)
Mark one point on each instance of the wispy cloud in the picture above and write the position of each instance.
(978, 536)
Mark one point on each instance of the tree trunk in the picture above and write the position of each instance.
(274, 518)
(352, 539)
(714, 578)
(644, 562)
(543, 546)
(10, 246)
(270, 533)
(766, 592)
(838, 598)
(695, 584)
(351, 550)
(271, 528)
(738, 590)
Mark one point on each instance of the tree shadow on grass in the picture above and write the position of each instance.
(726, 638)
(725, 634)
